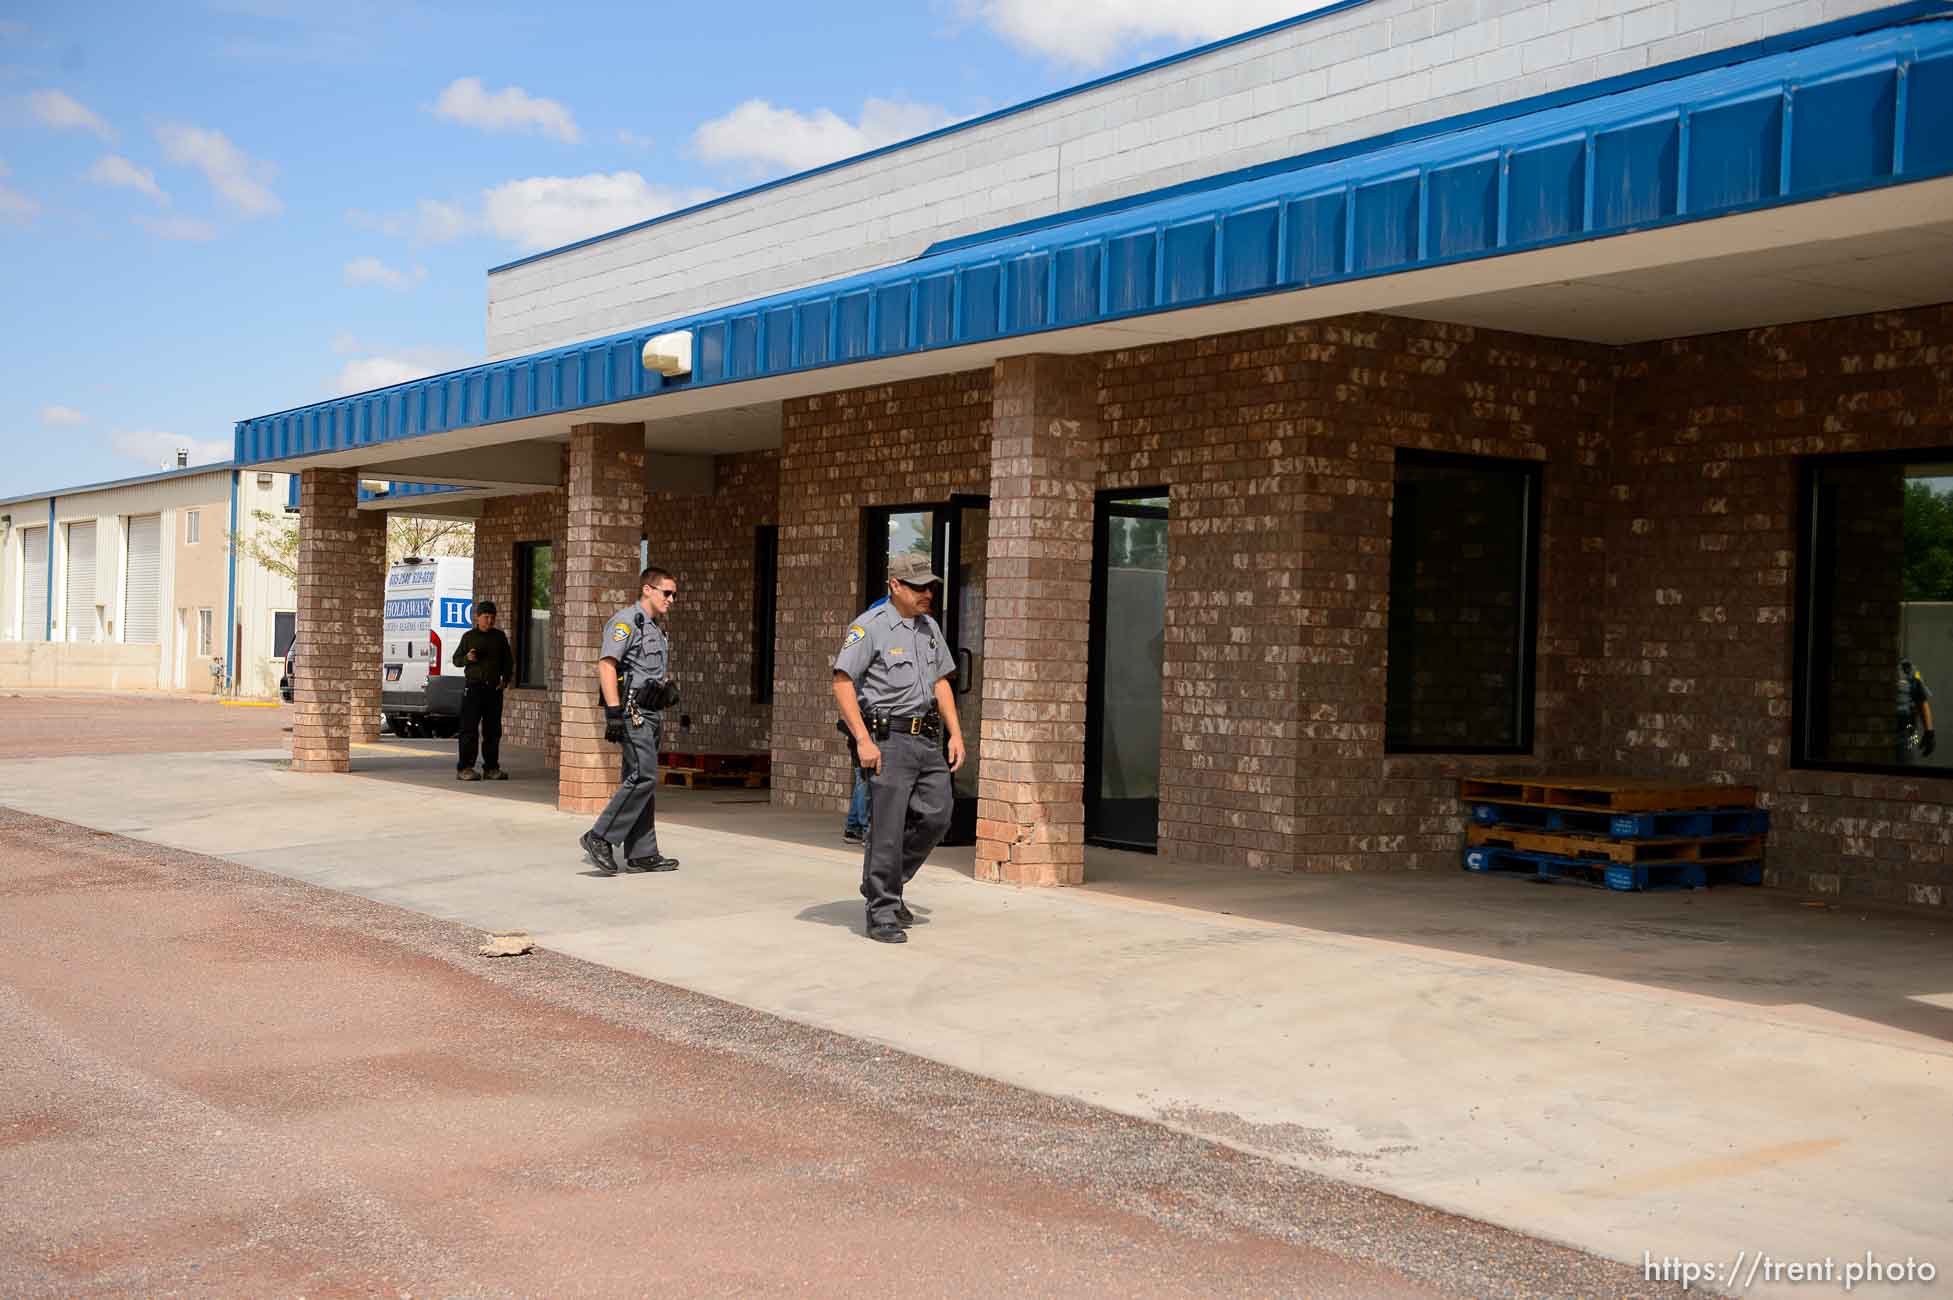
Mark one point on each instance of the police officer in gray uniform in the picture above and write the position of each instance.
(891, 681)
(634, 676)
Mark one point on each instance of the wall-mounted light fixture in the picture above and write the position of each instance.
(669, 354)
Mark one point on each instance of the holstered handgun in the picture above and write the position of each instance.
(655, 697)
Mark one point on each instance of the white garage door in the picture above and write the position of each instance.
(142, 621)
(78, 612)
(33, 584)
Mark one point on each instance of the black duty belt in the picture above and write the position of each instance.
(928, 724)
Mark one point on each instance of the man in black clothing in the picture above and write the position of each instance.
(488, 665)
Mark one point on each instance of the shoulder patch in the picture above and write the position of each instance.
(855, 634)
(620, 631)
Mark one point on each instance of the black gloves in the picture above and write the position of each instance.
(1925, 744)
(614, 723)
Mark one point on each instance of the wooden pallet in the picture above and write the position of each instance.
(1625, 877)
(1696, 824)
(1613, 794)
(704, 762)
(1599, 848)
(693, 778)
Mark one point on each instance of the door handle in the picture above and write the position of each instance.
(965, 669)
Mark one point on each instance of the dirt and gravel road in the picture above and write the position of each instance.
(225, 1082)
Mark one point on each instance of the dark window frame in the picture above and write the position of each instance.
(278, 651)
(766, 622)
(1532, 473)
(1108, 503)
(1805, 659)
(519, 643)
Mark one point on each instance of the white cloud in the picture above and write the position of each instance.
(468, 102)
(1090, 32)
(57, 109)
(632, 140)
(380, 368)
(183, 229)
(15, 206)
(371, 270)
(154, 448)
(436, 222)
(114, 169)
(242, 181)
(62, 417)
(431, 222)
(762, 135)
(545, 211)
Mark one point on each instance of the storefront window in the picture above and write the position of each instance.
(1875, 628)
(1463, 585)
(535, 573)
(766, 583)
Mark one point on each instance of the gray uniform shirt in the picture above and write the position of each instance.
(640, 647)
(895, 662)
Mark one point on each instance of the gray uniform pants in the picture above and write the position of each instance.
(629, 819)
(910, 801)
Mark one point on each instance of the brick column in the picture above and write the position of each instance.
(595, 577)
(335, 571)
(1044, 460)
(368, 623)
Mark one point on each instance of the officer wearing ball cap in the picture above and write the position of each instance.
(891, 682)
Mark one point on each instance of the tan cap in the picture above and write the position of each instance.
(912, 569)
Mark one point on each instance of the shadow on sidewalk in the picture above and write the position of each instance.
(1750, 945)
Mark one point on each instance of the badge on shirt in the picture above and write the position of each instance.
(895, 650)
(855, 634)
(620, 631)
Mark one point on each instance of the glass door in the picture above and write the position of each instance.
(1126, 690)
(955, 536)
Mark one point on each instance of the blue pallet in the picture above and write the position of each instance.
(1614, 875)
(1694, 824)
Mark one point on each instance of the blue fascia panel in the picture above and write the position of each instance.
(398, 490)
(1689, 149)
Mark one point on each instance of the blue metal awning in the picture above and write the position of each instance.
(394, 492)
(1862, 112)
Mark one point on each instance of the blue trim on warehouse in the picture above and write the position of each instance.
(47, 630)
(1719, 58)
(122, 482)
(230, 596)
(1068, 92)
(1853, 114)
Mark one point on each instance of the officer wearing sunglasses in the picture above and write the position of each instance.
(635, 683)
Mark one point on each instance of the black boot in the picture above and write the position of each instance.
(599, 852)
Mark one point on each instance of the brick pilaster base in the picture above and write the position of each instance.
(1044, 461)
(337, 570)
(596, 576)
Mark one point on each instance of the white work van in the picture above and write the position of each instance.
(430, 603)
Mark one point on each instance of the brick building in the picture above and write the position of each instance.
(1404, 390)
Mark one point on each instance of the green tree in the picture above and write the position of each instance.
(272, 541)
(1929, 542)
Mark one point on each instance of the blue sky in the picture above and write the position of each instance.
(213, 210)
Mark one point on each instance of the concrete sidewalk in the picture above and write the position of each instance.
(1613, 1114)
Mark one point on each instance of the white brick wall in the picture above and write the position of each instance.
(1379, 67)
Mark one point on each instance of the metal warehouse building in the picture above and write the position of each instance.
(136, 585)
(1411, 389)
